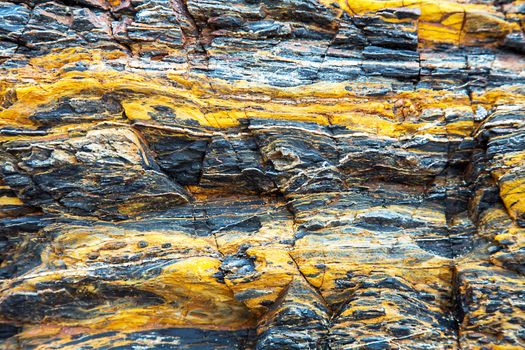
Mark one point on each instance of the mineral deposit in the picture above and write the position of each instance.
(243, 174)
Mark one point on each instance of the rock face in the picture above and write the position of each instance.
(297, 174)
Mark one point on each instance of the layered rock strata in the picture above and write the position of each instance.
(299, 174)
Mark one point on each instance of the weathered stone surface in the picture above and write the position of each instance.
(299, 174)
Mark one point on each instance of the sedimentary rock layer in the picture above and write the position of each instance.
(299, 174)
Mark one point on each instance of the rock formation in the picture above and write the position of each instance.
(294, 174)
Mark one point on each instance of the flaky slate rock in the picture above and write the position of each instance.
(299, 174)
(81, 174)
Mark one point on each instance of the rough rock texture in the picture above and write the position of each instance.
(296, 174)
